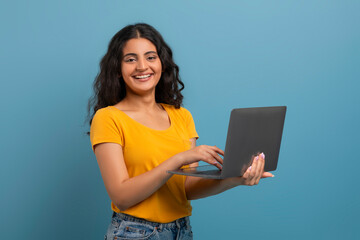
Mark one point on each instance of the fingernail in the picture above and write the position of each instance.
(257, 158)
(273, 175)
(250, 168)
(262, 155)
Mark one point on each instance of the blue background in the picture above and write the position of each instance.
(303, 54)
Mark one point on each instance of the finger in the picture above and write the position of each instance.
(267, 175)
(260, 163)
(254, 179)
(218, 165)
(246, 174)
(260, 167)
(255, 171)
(209, 158)
(218, 150)
(216, 156)
(254, 167)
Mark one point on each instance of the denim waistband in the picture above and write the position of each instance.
(181, 222)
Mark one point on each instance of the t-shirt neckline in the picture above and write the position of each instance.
(163, 106)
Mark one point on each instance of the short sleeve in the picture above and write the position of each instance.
(105, 128)
(190, 124)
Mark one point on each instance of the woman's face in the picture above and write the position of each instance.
(140, 66)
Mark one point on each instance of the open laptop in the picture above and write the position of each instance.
(251, 131)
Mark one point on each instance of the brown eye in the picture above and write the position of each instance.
(130, 60)
(152, 58)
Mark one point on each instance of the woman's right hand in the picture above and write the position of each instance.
(206, 153)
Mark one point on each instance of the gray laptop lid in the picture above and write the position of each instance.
(250, 132)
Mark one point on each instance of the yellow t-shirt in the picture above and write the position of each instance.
(144, 149)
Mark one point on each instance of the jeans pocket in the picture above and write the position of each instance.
(135, 230)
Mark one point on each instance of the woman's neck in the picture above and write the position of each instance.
(138, 103)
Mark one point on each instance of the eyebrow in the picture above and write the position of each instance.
(134, 54)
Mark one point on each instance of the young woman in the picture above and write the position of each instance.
(139, 132)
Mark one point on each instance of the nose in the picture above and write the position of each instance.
(141, 64)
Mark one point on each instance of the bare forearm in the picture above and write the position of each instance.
(134, 190)
(200, 188)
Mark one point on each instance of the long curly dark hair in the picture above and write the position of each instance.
(109, 88)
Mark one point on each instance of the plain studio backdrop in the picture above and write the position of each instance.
(247, 53)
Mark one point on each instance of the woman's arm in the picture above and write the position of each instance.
(197, 187)
(126, 192)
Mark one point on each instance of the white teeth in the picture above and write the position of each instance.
(143, 76)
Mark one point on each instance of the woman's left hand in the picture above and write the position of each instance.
(254, 173)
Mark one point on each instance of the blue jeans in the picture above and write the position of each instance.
(128, 227)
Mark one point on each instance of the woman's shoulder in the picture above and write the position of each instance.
(107, 113)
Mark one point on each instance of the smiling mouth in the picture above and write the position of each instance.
(145, 76)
